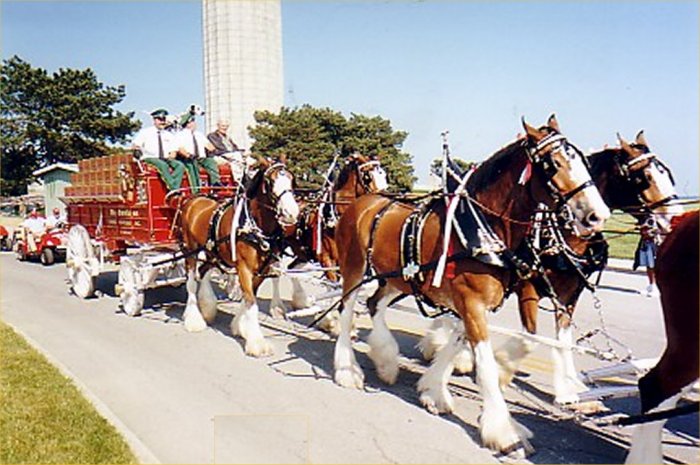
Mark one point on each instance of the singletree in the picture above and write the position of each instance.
(61, 117)
(311, 137)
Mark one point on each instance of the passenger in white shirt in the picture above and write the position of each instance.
(33, 227)
(192, 146)
(159, 148)
(56, 220)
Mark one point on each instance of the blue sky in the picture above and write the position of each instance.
(473, 68)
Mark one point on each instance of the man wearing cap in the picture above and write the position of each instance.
(158, 148)
(192, 147)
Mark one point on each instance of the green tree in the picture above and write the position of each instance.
(61, 117)
(436, 165)
(310, 137)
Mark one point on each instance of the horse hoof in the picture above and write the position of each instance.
(351, 377)
(437, 405)
(195, 325)
(388, 373)
(258, 348)
(302, 303)
(463, 362)
(278, 313)
(505, 435)
(385, 356)
(587, 408)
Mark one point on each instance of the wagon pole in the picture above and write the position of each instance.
(445, 157)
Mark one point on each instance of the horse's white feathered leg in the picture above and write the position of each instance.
(436, 337)
(246, 325)
(510, 356)
(278, 309)
(566, 383)
(384, 350)
(498, 429)
(347, 371)
(193, 319)
(646, 438)
(432, 386)
(206, 298)
(300, 299)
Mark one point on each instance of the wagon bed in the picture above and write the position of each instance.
(119, 210)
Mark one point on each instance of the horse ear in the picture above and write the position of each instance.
(532, 131)
(262, 161)
(626, 147)
(283, 158)
(640, 139)
(553, 123)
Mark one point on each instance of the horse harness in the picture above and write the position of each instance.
(477, 238)
(639, 180)
(473, 232)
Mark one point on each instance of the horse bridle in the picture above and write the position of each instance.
(545, 162)
(268, 188)
(639, 180)
(365, 170)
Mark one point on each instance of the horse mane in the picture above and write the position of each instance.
(494, 166)
(602, 161)
(254, 183)
(344, 174)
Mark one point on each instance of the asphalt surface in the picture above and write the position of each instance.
(196, 398)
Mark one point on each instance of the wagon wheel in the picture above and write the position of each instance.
(47, 257)
(21, 255)
(81, 263)
(129, 288)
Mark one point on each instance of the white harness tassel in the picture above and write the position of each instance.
(319, 226)
(234, 226)
(442, 262)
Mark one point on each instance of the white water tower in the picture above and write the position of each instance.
(242, 62)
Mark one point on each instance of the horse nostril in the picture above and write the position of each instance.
(592, 219)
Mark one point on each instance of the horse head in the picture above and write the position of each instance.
(562, 170)
(275, 184)
(650, 181)
(371, 177)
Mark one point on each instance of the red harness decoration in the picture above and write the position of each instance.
(451, 266)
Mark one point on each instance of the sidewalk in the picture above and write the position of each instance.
(624, 265)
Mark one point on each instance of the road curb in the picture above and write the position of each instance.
(138, 448)
(623, 265)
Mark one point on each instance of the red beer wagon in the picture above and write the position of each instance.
(120, 211)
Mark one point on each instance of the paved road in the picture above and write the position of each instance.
(196, 398)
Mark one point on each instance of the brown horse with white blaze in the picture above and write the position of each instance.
(244, 235)
(631, 178)
(542, 167)
(314, 236)
(677, 275)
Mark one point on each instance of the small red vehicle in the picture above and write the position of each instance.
(5, 239)
(50, 247)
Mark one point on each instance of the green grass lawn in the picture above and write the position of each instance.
(621, 235)
(43, 416)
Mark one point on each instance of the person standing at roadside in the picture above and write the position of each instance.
(645, 255)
